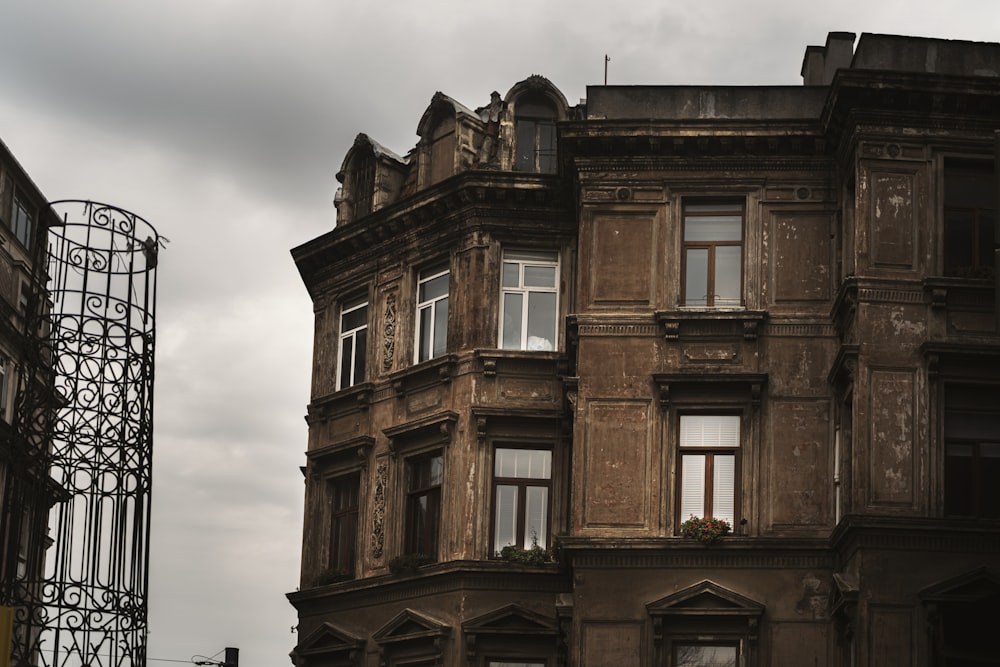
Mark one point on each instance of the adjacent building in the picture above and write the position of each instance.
(551, 334)
(26, 489)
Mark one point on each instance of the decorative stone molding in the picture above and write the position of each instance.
(378, 510)
(690, 324)
(436, 428)
(389, 333)
(749, 385)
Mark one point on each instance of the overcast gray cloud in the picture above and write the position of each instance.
(223, 123)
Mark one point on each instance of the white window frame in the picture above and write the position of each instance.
(528, 259)
(705, 438)
(424, 350)
(350, 306)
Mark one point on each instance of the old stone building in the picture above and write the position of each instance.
(552, 333)
(26, 489)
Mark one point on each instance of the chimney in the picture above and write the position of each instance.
(821, 62)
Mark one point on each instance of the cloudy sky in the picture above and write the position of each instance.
(223, 122)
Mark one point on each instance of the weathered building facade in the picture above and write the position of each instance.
(26, 489)
(551, 334)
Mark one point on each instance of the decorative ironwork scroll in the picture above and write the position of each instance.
(98, 338)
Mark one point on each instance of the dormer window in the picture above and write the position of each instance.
(536, 135)
(362, 186)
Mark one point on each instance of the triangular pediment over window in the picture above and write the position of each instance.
(705, 598)
(329, 641)
(409, 625)
(512, 619)
(979, 584)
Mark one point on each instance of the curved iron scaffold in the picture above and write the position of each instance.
(98, 338)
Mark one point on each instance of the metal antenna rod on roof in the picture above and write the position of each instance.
(607, 59)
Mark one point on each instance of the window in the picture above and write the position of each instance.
(353, 339)
(423, 505)
(969, 214)
(362, 185)
(709, 460)
(521, 491)
(530, 300)
(24, 223)
(343, 523)
(432, 313)
(536, 135)
(705, 655)
(972, 451)
(4, 392)
(713, 254)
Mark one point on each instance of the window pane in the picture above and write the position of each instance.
(536, 517)
(525, 146)
(724, 487)
(958, 235)
(360, 343)
(512, 304)
(440, 327)
(541, 320)
(985, 241)
(728, 269)
(511, 274)
(692, 486)
(346, 359)
(713, 228)
(530, 256)
(705, 656)
(425, 334)
(354, 319)
(506, 517)
(426, 473)
(539, 276)
(434, 288)
(546, 148)
(710, 431)
(959, 486)
(523, 463)
(696, 277)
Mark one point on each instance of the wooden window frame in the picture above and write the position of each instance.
(522, 484)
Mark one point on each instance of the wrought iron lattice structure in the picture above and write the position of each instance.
(94, 427)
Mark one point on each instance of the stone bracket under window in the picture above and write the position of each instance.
(439, 370)
(503, 361)
(703, 323)
(749, 385)
(436, 428)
